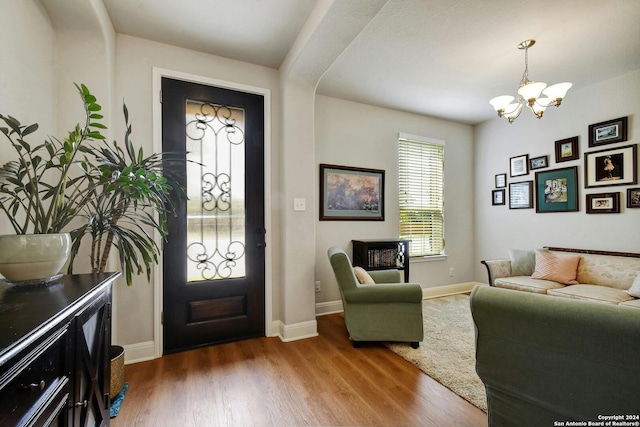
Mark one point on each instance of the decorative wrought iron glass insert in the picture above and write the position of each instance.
(216, 192)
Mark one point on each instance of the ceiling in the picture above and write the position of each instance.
(442, 58)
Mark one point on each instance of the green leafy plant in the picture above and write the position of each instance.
(120, 194)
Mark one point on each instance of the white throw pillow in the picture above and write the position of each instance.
(634, 290)
(363, 277)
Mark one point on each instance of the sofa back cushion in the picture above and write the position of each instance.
(607, 270)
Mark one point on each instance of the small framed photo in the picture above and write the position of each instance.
(497, 197)
(611, 167)
(608, 132)
(521, 195)
(501, 180)
(351, 193)
(633, 198)
(567, 149)
(539, 162)
(519, 165)
(557, 190)
(603, 203)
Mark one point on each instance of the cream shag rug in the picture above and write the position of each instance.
(447, 353)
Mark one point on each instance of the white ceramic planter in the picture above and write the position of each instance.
(31, 257)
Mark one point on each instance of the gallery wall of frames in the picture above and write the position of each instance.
(610, 161)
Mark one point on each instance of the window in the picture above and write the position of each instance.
(421, 190)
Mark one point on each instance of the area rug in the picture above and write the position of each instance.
(447, 353)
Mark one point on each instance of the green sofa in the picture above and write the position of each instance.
(545, 359)
(385, 311)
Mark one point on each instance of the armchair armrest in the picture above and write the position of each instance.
(385, 292)
(497, 268)
(385, 276)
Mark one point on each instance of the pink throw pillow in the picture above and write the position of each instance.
(559, 268)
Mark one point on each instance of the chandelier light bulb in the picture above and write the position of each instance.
(529, 93)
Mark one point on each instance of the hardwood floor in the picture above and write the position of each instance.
(320, 381)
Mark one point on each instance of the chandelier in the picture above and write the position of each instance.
(529, 93)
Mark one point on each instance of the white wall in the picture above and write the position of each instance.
(353, 134)
(27, 86)
(497, 228)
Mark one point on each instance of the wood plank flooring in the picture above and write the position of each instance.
(320, 381)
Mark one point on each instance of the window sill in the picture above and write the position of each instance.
(428, 258)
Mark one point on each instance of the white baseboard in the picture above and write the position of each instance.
(442, 291)
(139, 352)
(297, 331)
(330, 307)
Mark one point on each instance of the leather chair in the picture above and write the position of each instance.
(385, 311)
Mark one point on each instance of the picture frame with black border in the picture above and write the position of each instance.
(557, 190)
(501, 180)
(497, 197)
(567, 149)
(540, 162)
(608, 132)
(519, 165)
(633, 198)
(521, 195)
(609, 167)
(603, 203)
(351, 193)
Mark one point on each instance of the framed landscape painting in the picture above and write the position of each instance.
(351, 193)
(567, 149)
(557, 190)
(608, 132)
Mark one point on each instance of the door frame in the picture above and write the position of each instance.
(158, 286)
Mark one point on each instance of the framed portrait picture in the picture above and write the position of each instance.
(608, 132)
(539, 162)
(521, 195)
(603, 203)
(350, 193)
(519, 165)
(497, 197)
(501, 180)
(567, 149)
(633, 198)
(611, 167)
(557, 190)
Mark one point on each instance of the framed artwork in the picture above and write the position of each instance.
(608, 132)
(603, 203)
(567, 149)
(519, 165)
(539, 162)
(521, 195)
(501, 180)
(350, 193)
(611, 167)
(497, 197)
(633, 197)
(557, 190)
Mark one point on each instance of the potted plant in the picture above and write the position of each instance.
(111, 191)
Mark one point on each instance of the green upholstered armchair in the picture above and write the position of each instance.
(385, 311)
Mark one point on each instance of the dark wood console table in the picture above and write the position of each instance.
(54, 352)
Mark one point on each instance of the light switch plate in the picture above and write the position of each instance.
(299, 204)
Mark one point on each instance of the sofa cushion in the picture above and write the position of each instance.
(608, 270)
(526, 283)
(523, 262)
(363, 277)
(556, 267)
(634, 290)
(593, 293)
(635, 303)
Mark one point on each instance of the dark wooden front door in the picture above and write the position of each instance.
(213, 261)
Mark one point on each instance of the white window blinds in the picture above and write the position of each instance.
(421, 182)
